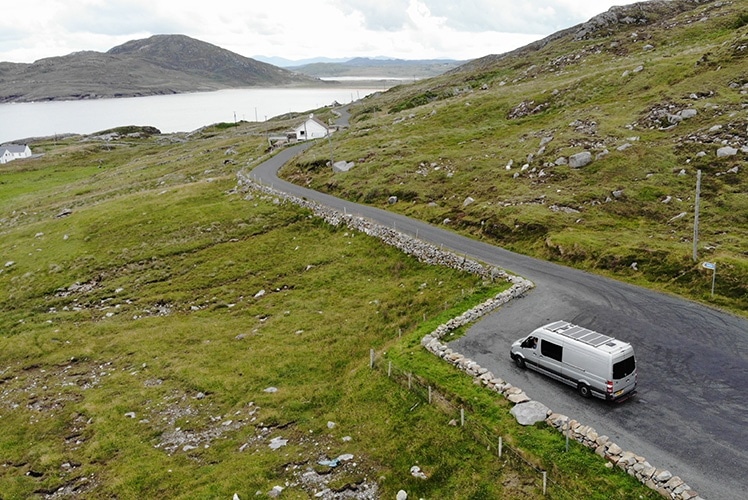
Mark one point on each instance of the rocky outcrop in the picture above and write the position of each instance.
(638, 14)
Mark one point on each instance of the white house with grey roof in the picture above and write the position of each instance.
(11, 152)
(312, 128)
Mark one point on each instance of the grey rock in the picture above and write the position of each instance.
(519, 398)
(726, 151)
(679, 216)
(530, 412)
(663, 476)
(580, 159)
(688, 113)
(342, 166)
(416, 471)
(614, 449)
(277, 442)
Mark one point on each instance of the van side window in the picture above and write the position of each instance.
(553, 351)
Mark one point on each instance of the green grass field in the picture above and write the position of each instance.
(160, 330)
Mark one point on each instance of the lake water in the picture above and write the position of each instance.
(168, 113)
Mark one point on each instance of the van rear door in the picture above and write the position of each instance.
(624, 375)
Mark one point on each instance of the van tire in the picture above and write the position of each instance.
(520, 362)
(584, 390)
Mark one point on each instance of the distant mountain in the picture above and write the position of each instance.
(379, 67)
(289, 63)
(161, 64)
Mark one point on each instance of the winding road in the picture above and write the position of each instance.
(690, 415)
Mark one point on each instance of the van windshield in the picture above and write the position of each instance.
(624, 367)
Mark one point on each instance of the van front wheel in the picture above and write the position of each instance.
(584, 390)
(520, 362)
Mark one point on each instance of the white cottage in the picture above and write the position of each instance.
(12, 152)
(312, 128)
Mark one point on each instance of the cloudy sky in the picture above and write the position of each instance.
(292, 29)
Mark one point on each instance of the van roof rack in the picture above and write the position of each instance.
(579, 333)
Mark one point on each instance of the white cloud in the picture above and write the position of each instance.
(294, 29)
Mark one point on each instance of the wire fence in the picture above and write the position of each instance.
(477, 430)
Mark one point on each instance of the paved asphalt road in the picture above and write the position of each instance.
(690, 415)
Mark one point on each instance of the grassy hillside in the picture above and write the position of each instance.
(651, 91)
(165, 335)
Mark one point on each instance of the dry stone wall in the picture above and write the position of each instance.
(662, 481)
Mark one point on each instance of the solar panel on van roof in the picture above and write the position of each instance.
(579, 333)
(558, 325)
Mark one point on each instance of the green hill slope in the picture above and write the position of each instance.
(164, 334)
(649, 94)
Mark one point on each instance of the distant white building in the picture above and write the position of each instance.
(312, 128)
(11, 152)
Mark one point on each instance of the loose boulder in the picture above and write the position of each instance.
(342, 166)
(726, 151)
(529, 413)
(580, 160)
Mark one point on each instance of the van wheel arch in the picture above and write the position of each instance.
(584, 390)
(520, 362)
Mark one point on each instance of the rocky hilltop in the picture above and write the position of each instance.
(161, 64)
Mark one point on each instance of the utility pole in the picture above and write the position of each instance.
(696, 217)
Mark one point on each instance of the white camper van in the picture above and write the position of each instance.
(596, 364)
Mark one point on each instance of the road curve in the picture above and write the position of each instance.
(691, 413)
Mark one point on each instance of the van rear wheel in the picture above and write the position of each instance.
(584, 390)
(520, 362)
